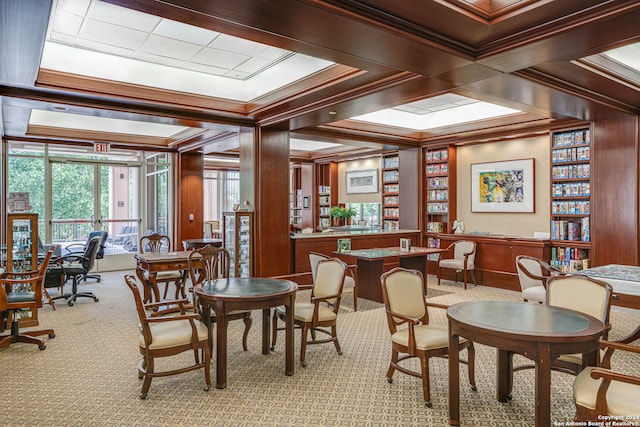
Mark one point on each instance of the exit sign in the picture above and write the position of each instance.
(101, 148)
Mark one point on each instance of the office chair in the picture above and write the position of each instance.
(79, 249)
(76, 267)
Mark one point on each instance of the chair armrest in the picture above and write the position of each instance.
(186, 316)
(325, 298)
(605, 374)
(610, 346)
(178, 302)
(436, 305)
(73, 257)
(403, 317)
(304, 280)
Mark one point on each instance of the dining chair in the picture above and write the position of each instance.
(212, 229)
(210, 263)
(533, 274)
(350, 278)
(463, 260)
(23, 291)
(599, 392)
(169, 336)
(412, 335)
(586, 295)
(322, 310)
(156, 242)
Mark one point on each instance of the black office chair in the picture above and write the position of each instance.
(80, 249)
(76, 267)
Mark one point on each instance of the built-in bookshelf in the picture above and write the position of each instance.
(440, 188)
(390, 192)
(570, 199)
(295, 199)
(327, 192)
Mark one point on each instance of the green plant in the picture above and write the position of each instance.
(342, 212)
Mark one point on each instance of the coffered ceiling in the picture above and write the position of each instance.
(362, 75)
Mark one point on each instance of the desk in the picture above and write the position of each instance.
(225, 295)
(538, 331)
(189, 244)
(155, 262)
(371, 266)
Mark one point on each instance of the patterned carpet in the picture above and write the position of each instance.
(87, 376)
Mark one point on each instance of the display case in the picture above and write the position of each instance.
(238, 240)
(570, 199)
(390, 192)
(22, 239)
(295, 198)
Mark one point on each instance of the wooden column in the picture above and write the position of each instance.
(264, 182)
(409, 178)
(189, 198)
(614, 192)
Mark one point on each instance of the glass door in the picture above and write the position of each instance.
(104, 197)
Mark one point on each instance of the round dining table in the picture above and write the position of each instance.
(537, 331)
(251, 293)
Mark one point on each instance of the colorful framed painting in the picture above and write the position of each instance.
(503, 186)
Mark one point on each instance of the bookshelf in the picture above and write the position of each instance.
(327, 194)
(440, 189)
(295, 198)
(570, 199)
(390, 192)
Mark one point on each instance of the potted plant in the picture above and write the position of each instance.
(341, 215)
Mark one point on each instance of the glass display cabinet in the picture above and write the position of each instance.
(22, 242)
(238, 240)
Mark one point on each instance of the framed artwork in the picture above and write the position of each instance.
(344, 245)
(364, 181)
(405, 245)
(503, 186)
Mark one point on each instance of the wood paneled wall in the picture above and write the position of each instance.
(614, 192)
(189, 198)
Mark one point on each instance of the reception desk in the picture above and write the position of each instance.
(327, 243)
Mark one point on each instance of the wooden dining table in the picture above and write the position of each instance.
(537, 331)
(247, 293)
(149, 264)
(371, 265)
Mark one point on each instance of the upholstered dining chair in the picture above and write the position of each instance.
(586, 295)
(350, 278)
(210, 263)
(23, 291)
(169, 336)
(533, 274)
(212, 229)
(598, 391)
(322, 310)
(156, 242)
(412, 335)
(463, 260)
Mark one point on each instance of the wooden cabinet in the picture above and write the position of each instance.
(495, 263)
(327, 192)
(570, 198)
(22, 242)
(238, 240)
(390, 192)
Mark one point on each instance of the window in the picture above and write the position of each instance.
(369, 212)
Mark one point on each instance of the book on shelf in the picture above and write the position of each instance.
(435, 226)
(569, 230)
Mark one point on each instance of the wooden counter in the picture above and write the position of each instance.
(327, 243)
(495, 263)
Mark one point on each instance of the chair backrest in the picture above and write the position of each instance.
(103, 239)
(528, 269)
(314, 259)
(403, 293)
(463, 247)
(90, 253)
(29, 284)
(208, 263)
(329, 279)
(131, 283)
(581, 293)
(155, 242)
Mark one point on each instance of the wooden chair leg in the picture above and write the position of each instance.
(438, 273)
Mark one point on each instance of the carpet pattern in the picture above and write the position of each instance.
(87, 376)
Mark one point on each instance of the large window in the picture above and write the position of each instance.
(368, 213)
(221, 192)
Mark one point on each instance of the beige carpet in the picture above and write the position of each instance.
(87, 376)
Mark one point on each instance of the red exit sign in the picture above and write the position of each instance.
(101, 148)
